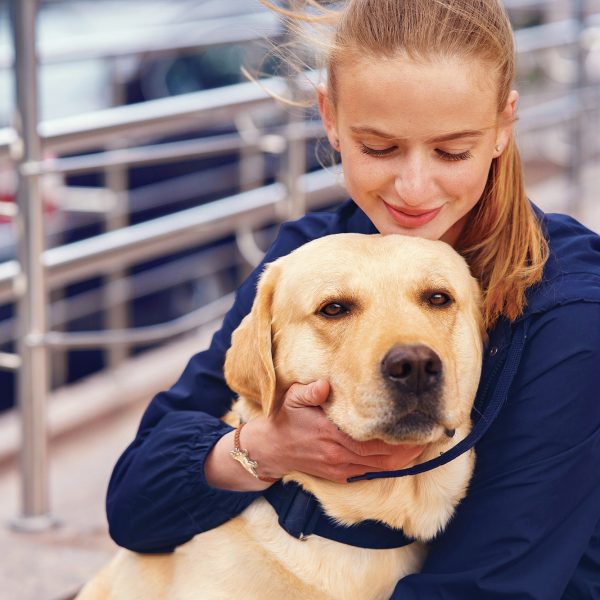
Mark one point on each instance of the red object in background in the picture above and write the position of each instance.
(5, 197)
(8, 185)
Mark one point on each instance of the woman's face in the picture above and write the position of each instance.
(416, 140)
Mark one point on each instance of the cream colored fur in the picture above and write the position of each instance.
(387, 280)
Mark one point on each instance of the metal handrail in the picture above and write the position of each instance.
(515, 4)
(203, 109)
(272, 142)
(10, 362)
(558, 110)
(165, 116)
(148, 334)
(192, 227)
(133, 286)
(548, 35)
(153, 40)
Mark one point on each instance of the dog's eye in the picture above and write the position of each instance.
(334, 309)
(439, 299)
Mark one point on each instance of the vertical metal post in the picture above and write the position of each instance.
(116, 179)
(33, 375)
(296, 162)
(577, 132)
(251, 169)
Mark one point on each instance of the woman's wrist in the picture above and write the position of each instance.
(222, 471)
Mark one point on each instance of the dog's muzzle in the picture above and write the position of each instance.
(413, 375)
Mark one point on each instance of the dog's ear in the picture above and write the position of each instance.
(249, 369)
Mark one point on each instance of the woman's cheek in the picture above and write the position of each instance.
(363, 176)
(471, 177)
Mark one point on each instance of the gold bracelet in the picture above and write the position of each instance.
(241, 456)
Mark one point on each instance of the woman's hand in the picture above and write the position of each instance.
(299, 437)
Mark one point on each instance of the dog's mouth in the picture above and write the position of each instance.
(414, 422)
(416, 426)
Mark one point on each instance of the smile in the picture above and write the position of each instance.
(412, 218)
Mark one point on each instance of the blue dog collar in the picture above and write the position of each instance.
(301, 515)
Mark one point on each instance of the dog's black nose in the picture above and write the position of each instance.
(415, 369)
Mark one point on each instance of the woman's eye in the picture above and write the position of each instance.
(375, 152)
(460, 156)
(334, 309)
(439, 299)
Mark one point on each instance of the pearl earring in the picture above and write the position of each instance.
(498, 148)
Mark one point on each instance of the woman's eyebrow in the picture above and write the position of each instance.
(458, 134)
(442, 138)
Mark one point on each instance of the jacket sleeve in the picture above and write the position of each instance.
(158, 497)
(529, 516)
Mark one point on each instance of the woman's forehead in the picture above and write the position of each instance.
(405, 98)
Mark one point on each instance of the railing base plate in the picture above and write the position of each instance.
(34, 524)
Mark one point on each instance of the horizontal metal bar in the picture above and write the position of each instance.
(10, 281)
(143, 155)
(9, 362)
(144, 241)
(8, 142)
(158, 279)
(272, 142)
(141, 335)
(548, 35)
(155, 40)
(520, 4)
(166, 116)
(193, 227)
(8, 209)
(552, 112)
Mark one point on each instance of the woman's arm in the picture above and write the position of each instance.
(534, 502)
(158, 496)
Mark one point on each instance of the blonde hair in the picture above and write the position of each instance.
(502, 241)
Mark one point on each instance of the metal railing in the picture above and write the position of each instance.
(38, 271)
(166, 39)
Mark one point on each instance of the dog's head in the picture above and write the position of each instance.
(392, 322)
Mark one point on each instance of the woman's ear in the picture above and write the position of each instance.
(327, 111)
(249, 369)
(506, 120)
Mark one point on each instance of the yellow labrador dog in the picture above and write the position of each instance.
(394, 324)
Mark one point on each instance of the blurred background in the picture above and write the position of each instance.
(141, 177)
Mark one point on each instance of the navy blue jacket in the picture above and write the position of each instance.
(529, 527)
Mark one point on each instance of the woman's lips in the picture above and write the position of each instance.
(413, 219)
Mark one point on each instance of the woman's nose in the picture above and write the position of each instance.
(413, 181)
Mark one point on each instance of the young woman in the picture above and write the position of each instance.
(419, 104)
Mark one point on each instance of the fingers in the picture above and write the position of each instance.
(334, 462)
(397, 457)
(312, 394)
(379, 447)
